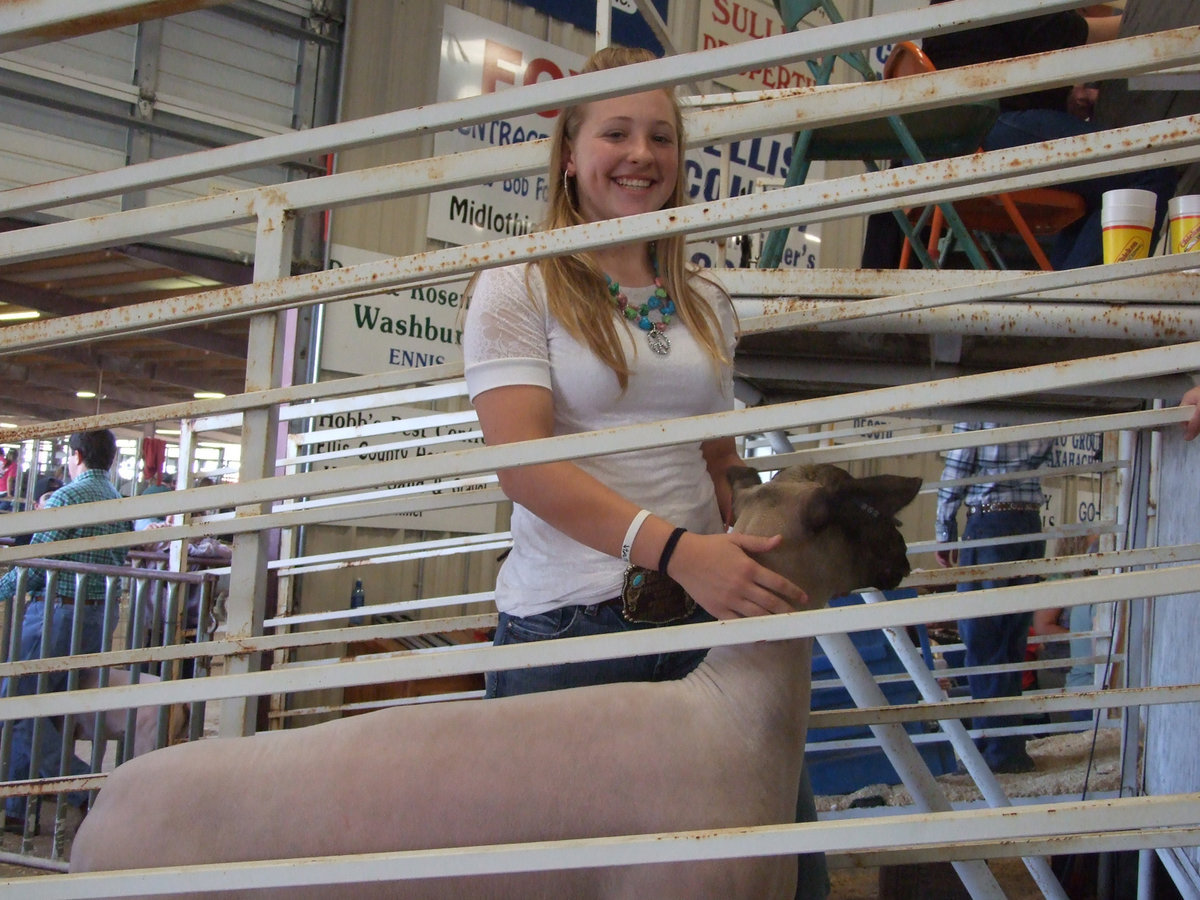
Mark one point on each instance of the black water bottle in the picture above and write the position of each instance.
(357, 598)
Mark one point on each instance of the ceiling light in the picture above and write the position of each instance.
(208, 395)
(19, 316)
(9, 425)
(85, 395)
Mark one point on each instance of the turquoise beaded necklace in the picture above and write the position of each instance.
(659, 302)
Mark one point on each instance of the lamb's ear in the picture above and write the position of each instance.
(887, 494)
(741, 479)
(817, 510)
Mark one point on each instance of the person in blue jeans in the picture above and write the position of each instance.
(1050, 114)
(1079, 244)
(999, 508)
(614, 336)
(90, 456)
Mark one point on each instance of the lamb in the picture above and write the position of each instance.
(721, 748)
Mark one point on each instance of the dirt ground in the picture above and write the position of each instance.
(865, 884)
(1062, 763)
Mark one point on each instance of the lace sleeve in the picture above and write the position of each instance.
(504, 338)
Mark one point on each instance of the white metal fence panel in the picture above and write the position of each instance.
(269, 501)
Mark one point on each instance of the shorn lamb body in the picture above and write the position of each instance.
(721, 748)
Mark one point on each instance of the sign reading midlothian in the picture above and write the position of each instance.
(480, 57)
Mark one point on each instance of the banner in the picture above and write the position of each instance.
(481, 57)
(724, 22)
(411, 327)
(628, 27)
(349, 442)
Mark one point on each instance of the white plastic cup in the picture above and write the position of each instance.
(1183, 214)
(1127, 223)
(1131, 197)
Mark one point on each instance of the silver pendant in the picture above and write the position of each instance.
(658, 341)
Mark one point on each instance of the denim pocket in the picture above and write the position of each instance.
(545, 626)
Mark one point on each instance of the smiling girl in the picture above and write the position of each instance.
(612, 337)
(601, 339)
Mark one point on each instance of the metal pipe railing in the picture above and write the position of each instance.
(266, 502)
(544, 95)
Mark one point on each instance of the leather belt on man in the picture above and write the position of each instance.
(70, 601)
(1004, 506)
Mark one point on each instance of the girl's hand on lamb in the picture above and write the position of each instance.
(720, 575)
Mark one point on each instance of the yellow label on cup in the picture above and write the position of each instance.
(1122, 242)
(1185, 234)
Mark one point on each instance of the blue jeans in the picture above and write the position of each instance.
(49, 736)
(577, 621)
(1078, 244)
(580, 621)
(992, 640)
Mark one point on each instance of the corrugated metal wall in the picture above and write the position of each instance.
(165, 87)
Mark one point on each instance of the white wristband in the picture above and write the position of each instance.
(631, 533)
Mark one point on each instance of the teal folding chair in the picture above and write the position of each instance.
(933, 133)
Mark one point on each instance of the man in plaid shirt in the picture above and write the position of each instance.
(90, 456)
(998, 505)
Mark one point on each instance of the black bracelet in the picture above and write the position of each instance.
(669, 548)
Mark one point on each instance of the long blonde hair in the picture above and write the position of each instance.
(576, 288)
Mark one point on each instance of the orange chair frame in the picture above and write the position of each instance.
(1028, 212)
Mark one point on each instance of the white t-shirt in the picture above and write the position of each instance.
(510, 338)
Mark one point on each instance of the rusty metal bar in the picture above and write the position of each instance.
(553, 94)
(257, 497)
(828, 105)
(1047, 164)
(1141, 821)
(34, 786)
(1102, 589)
(1182, 357)
(927, 794)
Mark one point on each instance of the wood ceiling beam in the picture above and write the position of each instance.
(59, 304)
(33, 22)
(66, 407)
(60, 389)
(69, 285)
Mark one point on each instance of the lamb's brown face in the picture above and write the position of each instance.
(879, 539)
(840, 532)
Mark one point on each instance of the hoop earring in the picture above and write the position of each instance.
(567, 189)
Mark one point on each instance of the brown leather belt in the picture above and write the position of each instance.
(1004, 506)
(70, 601)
